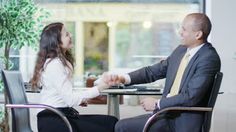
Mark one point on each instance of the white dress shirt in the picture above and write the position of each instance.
(57, 86)
(193, 51)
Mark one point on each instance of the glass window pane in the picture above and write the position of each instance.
(142, 45)
(152, 38)
(96, 47)
(137, 32)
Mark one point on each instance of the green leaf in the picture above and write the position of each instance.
(19, 25)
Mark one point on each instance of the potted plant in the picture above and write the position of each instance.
(20, 25)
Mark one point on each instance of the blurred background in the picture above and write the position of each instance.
(114, 35)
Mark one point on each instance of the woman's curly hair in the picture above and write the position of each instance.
(50, 42)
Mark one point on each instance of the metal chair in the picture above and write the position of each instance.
(19, 105)
(208, 109)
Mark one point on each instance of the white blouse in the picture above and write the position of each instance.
(57, 86)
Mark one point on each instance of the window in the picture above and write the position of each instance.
(135, 34)
(143, 43)
(95, 47)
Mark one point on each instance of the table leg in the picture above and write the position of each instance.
(113, 105)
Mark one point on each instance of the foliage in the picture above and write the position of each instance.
(1, 112)
(20, 25)
(1, 87)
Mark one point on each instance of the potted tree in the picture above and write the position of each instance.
(20, 25)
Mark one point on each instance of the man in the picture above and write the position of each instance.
(189, 73)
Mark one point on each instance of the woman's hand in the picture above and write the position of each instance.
(84, 103)
(101, 85)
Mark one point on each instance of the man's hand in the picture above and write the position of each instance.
(112, 79)
(149, 104)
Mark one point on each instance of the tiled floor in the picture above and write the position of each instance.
(224, 117)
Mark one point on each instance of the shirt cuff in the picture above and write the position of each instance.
(94, 92)
(127, 78)
(158, 104)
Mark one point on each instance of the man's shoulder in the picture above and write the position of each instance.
(179, 49)
(208, 52)
(208, 48)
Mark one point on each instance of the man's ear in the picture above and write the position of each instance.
(199, 35)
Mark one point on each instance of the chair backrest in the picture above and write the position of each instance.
(212, 100)
(15, 90)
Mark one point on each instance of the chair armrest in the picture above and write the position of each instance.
(153, 117)
(42, 106)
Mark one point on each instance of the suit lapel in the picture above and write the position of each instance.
(188, 68)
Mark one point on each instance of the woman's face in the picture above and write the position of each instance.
(66, 39)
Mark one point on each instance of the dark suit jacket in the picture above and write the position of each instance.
(196, 82)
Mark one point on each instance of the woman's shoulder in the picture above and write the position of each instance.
(55, 62)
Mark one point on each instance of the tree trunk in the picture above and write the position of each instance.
(5, 122)
(6, 55)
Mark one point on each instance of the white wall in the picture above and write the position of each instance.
(223, 17)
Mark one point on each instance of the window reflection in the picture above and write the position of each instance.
(117, 34)
(95, 47)
(144, 44)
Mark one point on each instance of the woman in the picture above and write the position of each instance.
(53, 71)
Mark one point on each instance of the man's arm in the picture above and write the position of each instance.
(150, 73)
(155, 72)
(144, 75)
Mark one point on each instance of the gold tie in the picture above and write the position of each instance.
(176, 85)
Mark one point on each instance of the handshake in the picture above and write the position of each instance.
(109, 79)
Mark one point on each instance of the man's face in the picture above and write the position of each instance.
(187, 35)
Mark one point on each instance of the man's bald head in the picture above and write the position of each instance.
(200, 22)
